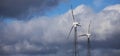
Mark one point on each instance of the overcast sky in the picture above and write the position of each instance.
(40, 27)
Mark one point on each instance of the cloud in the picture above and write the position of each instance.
(24, 8)
(47, 36)
(115, 8)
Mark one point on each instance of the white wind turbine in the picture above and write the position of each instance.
(74, 26)
(88, 34)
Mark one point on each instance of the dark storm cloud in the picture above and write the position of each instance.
(27, 48)
(21, 8)
(110, 43)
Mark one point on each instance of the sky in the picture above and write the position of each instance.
(40, 27)
(96, 5)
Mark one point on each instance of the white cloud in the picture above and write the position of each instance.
(114, 8)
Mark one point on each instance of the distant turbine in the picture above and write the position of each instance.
(88, 34)
(74, 26)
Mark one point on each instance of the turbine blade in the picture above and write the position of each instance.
(88, 32)
(72, 14)
(83, 35)
(70, 32)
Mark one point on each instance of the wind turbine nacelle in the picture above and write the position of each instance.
(76, 24)
(88, 35)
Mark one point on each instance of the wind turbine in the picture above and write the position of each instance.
(74, 26)
(88, 34)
